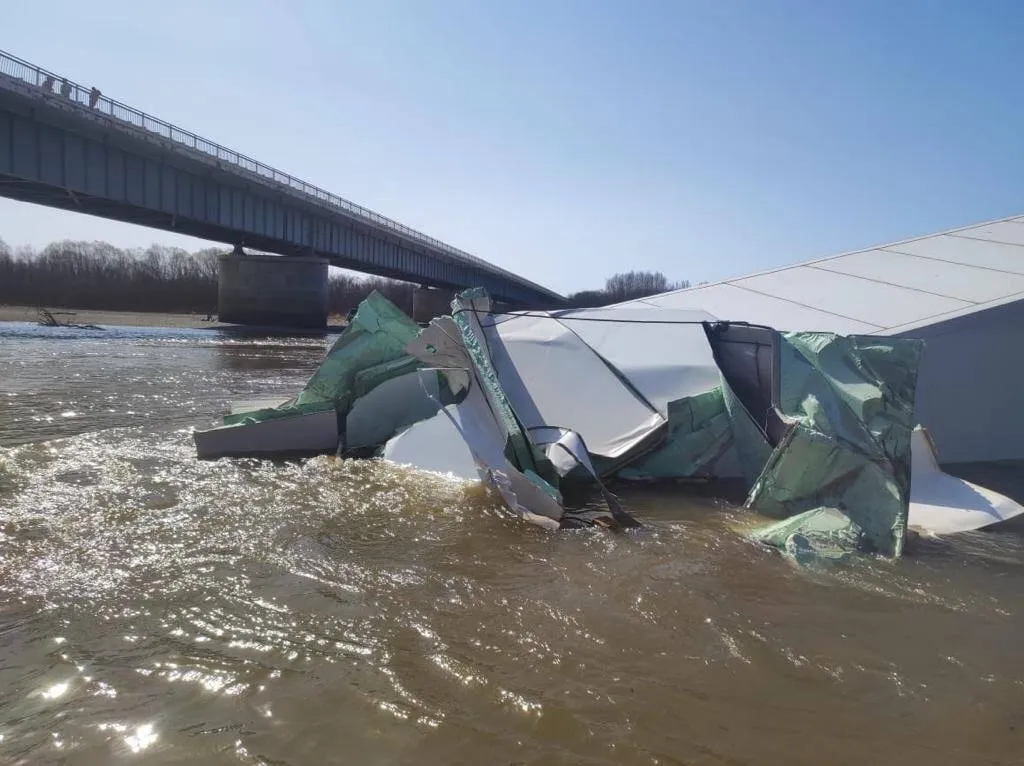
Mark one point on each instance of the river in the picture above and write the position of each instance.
(157, 609)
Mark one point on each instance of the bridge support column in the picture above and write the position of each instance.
(429, 302)
(272, 290)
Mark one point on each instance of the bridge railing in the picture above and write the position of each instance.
(89, 98)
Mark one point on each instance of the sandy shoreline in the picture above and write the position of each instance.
(113, 318)
(128, 318)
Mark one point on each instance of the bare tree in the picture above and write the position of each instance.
(71, 274)
(624, 287)
(97, 275)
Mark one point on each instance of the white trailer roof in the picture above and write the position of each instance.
(883, 290)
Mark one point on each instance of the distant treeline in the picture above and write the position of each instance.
(625, 287)
(345, 292)
(97, 275)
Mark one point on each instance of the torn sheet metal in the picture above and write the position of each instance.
(535, 404)
(541, 364)
(647, 372)
(436, 444)
(467, 310)
(821, 423)
(837, 413)
(488, 436)
(944, 504)
(698, 440)
(368, 353)
(662, 354)
(568, 455)
(299, 434)
(820, 535)
(524, 466)
(939, 504)
(811, 470)
(388, 408)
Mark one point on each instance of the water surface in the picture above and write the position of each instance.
(158, 609)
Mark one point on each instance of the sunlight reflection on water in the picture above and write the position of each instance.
(288, 612)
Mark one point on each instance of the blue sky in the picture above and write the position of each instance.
(567, 140)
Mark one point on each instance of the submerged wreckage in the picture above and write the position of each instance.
(547, 406)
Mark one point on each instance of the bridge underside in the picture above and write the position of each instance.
(68, 157)
(15, 188)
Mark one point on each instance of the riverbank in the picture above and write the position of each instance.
(113, 318)
(128, 318)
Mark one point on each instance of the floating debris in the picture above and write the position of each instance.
(47, 319)
(547, 405)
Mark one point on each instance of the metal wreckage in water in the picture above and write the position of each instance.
(544, 406)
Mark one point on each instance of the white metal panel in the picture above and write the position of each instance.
(641, 313)
(867, 301)
(915, 329)
(436, 445)
(967, 283)
(239, 406)
(1009, 232)
(972, 252)
(944, 504)
(440, 344)
(663, 361)
(730, 303)
(969, 393)
(552, 378)
(969, 389)
(638, 303)
(305, 433)
(390, 407)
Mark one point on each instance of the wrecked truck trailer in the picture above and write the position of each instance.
(819, 427)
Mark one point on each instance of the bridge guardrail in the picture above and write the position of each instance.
(88, 98)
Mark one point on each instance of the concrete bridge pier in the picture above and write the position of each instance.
(272, 290)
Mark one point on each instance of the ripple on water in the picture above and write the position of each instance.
(261, 612)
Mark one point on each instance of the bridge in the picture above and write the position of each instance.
(68, 146)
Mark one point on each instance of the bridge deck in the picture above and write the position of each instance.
(85, 110)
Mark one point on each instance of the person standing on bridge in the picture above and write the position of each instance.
(94, 97)
(65, 88)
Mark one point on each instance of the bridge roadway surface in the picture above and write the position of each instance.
(65, 146)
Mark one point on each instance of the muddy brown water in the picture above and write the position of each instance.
(157, 609)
